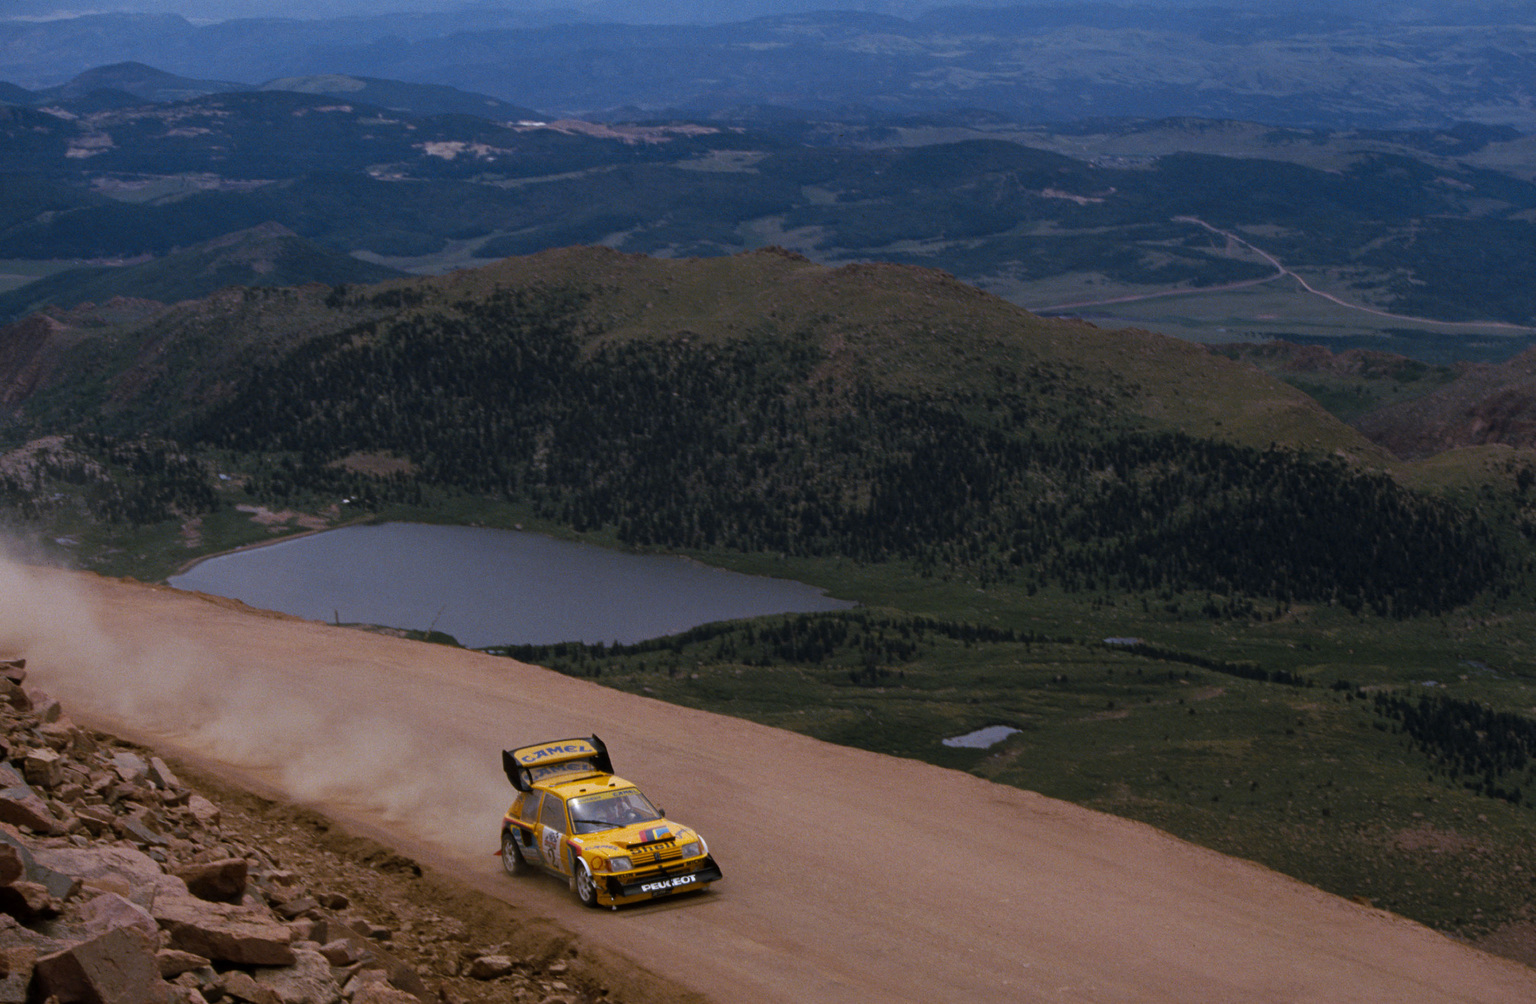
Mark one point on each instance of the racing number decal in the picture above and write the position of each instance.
(550, 847)
(552, 832)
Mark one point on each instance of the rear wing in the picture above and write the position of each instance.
(527, 764)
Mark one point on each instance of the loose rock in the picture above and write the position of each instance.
(221, 881)
(111, 968)
(119, 883)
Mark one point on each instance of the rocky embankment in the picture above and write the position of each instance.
(120, 884)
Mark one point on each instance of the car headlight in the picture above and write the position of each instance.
(619, 863)
(693, 849)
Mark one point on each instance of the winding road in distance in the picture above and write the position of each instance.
(849, 876)
(1281, 272)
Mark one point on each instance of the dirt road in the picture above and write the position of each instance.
(1281, 272)
(849, 876)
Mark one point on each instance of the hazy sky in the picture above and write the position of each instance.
(616, 10)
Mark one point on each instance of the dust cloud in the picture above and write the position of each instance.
(318, 740)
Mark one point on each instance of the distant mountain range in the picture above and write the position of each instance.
(124, 84)
(1305, 63)
(1390, 230)
(716, 11)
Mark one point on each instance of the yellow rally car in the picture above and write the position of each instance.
(574, 818)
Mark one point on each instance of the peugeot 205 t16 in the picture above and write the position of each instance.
(572, 817)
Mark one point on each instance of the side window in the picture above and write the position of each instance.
(553, 814)
(530, 807)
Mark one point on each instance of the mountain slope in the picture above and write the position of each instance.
(762, 403)
(266, 255)
(1485, 404)
(144, 82)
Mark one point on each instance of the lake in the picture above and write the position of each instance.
(492, 587)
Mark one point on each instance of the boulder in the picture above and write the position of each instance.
(221, 881)
(14, 935)
(143, 826)
(29, 901)
(20, 805)
(109, 910)
(173, 962)
(98, 819)
(366, 977)
(16, 964)
(223, 932)
(111, 968)
(11, 693)
(37, 867)
(401, 975)
(162, 775)
(489, 967)
(204, 811)
(243, 987)
(113, 868)
(382, 993)
(11, 867)
(43, 767)
(65, 822)
(307, 981)
(65, 736)
(341, 953)
(46, 707)
(131, 767)
(297, 907)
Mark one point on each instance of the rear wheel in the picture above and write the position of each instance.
(511, 855)
(585, 885)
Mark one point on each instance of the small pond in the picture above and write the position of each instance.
(982, 738)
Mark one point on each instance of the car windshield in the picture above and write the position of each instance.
(611, 809)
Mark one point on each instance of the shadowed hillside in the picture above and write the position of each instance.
(765, 404)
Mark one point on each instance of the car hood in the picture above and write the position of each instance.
(640, 837)
(642, 834)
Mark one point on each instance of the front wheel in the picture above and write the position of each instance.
(511, 855)
(586, 887)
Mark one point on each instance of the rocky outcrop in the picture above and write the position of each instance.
(1486, 404)
(119, 884)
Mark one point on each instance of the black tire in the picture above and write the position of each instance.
(582, 882)
(511, 855)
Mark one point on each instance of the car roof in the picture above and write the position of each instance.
(581, 784)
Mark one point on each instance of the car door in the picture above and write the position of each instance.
(528, 839)
(552, 833)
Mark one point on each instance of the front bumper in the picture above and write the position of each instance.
(663, 881)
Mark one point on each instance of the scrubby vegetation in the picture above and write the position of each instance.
(95, 478)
